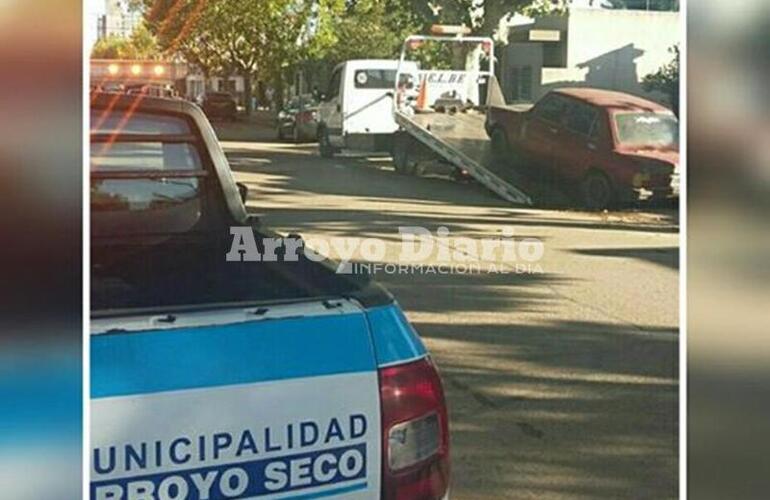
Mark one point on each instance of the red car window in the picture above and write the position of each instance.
(550, 108)
(581, 118)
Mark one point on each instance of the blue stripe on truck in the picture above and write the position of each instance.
(176, 359)
(393, 336)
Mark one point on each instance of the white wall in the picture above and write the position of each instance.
(615, 49)
(119, 21)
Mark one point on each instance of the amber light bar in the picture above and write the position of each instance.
(149, 71)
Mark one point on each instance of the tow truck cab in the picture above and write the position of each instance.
(356, 110)
(218, 378)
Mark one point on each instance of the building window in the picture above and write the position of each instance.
(521, 83)
(555, 55)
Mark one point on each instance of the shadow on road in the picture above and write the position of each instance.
(571, 406)
(373, 180)
(665, 256)
(547, 398)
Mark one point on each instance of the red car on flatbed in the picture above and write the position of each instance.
(614, 146)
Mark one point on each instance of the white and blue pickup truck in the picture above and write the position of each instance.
(215, 379)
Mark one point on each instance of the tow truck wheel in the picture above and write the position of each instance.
(596, 190)
(325, 147)
(401, 157)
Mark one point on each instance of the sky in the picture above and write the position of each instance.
(93, 9)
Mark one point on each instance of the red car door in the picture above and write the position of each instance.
(579, 147)
(540, 131)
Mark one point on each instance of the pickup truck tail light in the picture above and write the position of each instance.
(415, 432)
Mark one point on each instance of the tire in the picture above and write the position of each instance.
(596, 191)
(325, 148)
(458, 175)
(402, 160)
(281, 135)
(296, 137)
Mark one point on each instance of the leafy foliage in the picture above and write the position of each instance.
(141, 45)
(666, 80)
(269, 40)
(545, 7)
(251, 38)
(483, 16)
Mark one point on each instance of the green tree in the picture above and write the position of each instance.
(483, 16)
(142, 44)
(361, 29)
(271, 39)
(369, 29)
(377, 28)
(666, 80)
(251, 38)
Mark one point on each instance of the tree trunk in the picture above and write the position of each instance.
(206, 80)
(278, 95)
(247, 94)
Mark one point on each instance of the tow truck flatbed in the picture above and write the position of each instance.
(457, 138)
(461, 140)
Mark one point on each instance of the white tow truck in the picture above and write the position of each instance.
(439, 111)
(355, 110)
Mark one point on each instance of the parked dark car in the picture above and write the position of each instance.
(298, 120)
(219, 105)
(614, 146)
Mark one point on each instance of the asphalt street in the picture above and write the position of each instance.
(561, 376)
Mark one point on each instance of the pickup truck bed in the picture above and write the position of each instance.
(204, 277)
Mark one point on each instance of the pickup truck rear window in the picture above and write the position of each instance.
(146, 175)
(111, 122)
(143, 156)
(157, 233)
(375, 79)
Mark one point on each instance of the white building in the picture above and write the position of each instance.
(118, 20)
(604, 48)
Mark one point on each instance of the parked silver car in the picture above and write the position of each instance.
(298, 120)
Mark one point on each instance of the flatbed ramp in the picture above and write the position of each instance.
(461, 140)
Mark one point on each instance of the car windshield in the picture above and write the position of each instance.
(647, 129)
